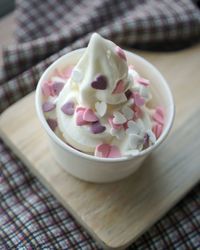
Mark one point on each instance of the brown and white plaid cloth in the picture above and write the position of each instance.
(30, 217)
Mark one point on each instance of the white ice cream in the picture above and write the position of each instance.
(101, 81)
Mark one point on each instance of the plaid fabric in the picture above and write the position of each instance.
(30, 217)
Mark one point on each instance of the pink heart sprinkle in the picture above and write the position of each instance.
(46, 91)
(102, 150)
(48, 106)
(68, 71)
(56, 87)
(100, 82)
(160, 111)
(89, 116)
(97, 128)
(138, 99)
(52, 123)
(63, 74)
(119, 87)
(113, 125)
(158, 116)
(79, 118)
(68, 108)
(79, 108)
(143, 81)
(157, 130)
(120, 53)
(138, 112)
(114, 152)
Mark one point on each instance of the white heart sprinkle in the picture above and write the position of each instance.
(101, 108)
(151, 135)
(136, 142)
(140, 125)
(133, 128)
(119, 118)
(117, 133)
(136, 88)
(144, 92)
(77, 76)
(128, 112)
(130, 101)
(133, 73)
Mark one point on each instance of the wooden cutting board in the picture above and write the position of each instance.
(116, 214)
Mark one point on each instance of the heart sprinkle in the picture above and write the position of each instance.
(119, 87)
(114, 152)
(113, 125)
(158, 115)
(101, 108)
(107, 151)
(48, 106)
(120, 53)
(118, 118)
(102, 150)
(97, 128)
(68, 108)
(136, 141)
(138, 99)
(68, 71)
(133, 128)
(100, 82)
(56, 87)
(151, 135)
(144, 92)
(77, 76)
(157, 130)
(52, 123)
(137, 112)
(128, 112)
(89, 115)
(46, 91)
(79, 118)
(80, 108)
(143, 81)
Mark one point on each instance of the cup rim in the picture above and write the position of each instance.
(70, 149)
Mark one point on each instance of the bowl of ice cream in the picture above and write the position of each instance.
(104, 110)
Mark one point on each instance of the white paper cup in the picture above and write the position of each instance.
(95, 169)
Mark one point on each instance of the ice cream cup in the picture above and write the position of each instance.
(91, 168)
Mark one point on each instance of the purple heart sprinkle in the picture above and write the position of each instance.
(128, 94)
(146, 140)
(56, 87)
(48, 106)
(52, 123)
(68, 108)
(100, 82)
(97, 128)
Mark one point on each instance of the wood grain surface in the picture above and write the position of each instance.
(116, 214)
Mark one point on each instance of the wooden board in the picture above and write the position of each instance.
(116, 214)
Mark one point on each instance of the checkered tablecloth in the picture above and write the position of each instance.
(30, 217)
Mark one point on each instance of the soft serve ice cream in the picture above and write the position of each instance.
(100, 106)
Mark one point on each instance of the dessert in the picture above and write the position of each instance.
(100, 106)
